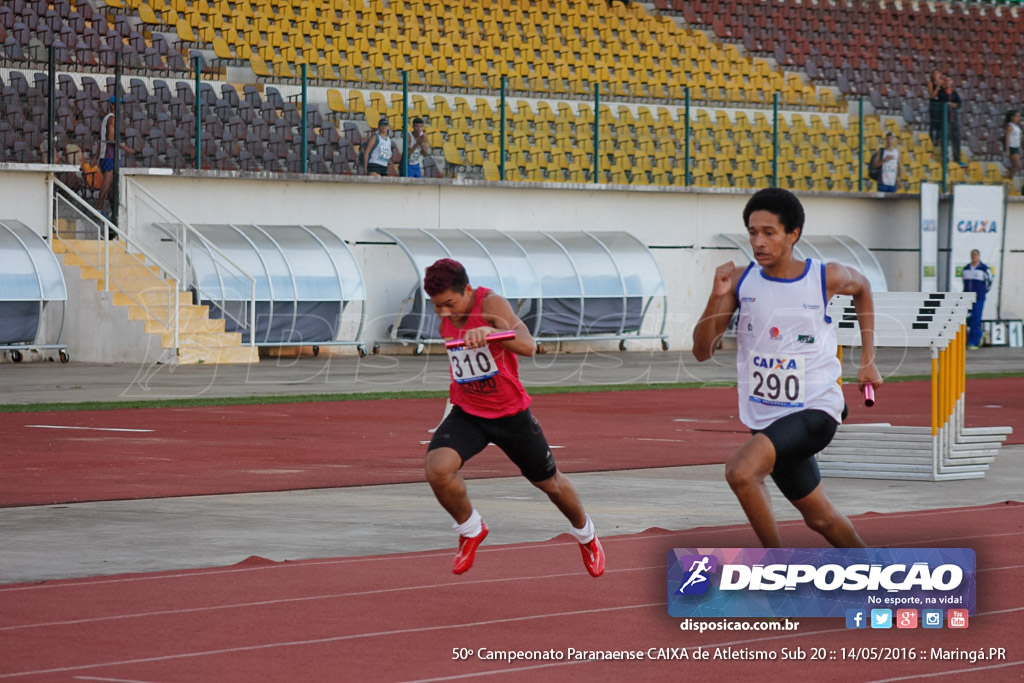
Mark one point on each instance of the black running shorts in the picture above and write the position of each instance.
(519, 435)
(797, 437)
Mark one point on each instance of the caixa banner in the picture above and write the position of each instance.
(816, 582)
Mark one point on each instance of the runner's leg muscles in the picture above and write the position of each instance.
(442, 467)
(745, 471)
(563, 494)
(821, 516)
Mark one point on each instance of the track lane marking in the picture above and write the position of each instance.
(336, 596)
(91, 429)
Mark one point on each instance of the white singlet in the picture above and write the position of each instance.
(890, 166)
(381, 154)
(1014, 137)
(786, 359)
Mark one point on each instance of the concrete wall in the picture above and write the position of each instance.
(25, 192)
(97, 331)
(679, 225)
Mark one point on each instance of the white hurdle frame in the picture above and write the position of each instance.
(946, 449)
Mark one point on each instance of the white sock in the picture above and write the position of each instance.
(471, 527)
(584, 535)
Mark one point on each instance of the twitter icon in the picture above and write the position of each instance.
(881, 618)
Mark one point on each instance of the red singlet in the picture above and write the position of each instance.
(498, 396)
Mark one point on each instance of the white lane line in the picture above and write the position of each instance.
(330, 639)
(109, 680)
(308, 598)
(949, 673)
(92, 429)
(491, 445)
(352, 594)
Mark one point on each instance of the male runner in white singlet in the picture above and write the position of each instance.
(787, 365)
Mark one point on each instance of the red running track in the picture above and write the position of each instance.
(234, 449)
(399, 617)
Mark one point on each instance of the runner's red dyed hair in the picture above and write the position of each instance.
(443, 275)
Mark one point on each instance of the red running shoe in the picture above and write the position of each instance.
(467, 550)
(593, 557)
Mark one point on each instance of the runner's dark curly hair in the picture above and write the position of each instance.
(782, 203)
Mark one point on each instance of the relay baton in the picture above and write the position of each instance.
(869, 395)
(497, 336)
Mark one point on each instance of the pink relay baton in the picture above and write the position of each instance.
(497, 336)
(869, 395)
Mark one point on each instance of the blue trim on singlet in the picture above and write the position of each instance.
(824, 295)
(807, 269)
(739, 284)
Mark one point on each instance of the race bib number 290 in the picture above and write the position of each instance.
(472, 365)
(776, 381)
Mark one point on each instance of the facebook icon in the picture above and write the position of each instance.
(856, 618)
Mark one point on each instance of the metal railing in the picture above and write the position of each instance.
(75, 220)
(181, 232)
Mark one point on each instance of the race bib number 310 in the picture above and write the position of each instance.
(776, 381)
(472, 365)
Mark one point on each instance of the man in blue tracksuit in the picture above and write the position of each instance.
(977, 279)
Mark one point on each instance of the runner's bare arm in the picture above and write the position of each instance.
(842, 279)
(497, 311)
(717, 314)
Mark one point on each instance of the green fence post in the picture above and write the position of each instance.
(51, 104)
(115, 191)
(405, 124)
(501, 167)
(945, 143)
(686, 137)
(860, 145)
(597, 131)
(199, 111)
(775, 139)
(304, 153)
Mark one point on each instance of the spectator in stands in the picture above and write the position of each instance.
(977, 279)
(416, 143)
(1012, 143)
(377, 151)
(935, 107)
(891, 167)
(952, 100)
(107, 152)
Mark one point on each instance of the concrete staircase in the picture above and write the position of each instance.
(149, 299)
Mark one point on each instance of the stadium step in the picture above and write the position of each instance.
(150, 298)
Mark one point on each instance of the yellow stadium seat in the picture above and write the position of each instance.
(335, 101)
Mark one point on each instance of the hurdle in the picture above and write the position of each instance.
(946, 449)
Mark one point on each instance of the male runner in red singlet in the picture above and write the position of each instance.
(491, 406)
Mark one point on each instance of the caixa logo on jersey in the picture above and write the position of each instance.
(816, 582)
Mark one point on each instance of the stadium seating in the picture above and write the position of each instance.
(455, 55)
